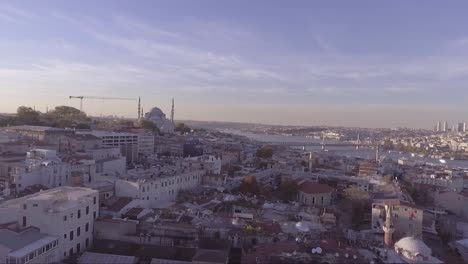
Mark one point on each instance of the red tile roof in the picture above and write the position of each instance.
(312, 188)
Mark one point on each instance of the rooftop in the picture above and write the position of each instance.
(95, 258)
(61, 197)
(313, 188)
(24, 242)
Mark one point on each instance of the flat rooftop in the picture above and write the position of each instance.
(62, 197)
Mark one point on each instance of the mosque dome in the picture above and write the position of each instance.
(156, 114)
(413, 249)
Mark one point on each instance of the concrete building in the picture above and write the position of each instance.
(64, 212)
(407, 218)
(311, 193)
(78, 143)
(126, 142)
(28, 246)
(42, 133)
(146, 144)
(41, 167)
(158, 190)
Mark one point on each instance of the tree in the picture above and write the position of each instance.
(265, 152)
(249, 185)
(146, 124)
(66, 116)
(182, 128)
(27, 115)
(359, 201)
(288, 191)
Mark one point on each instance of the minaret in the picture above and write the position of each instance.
(141, 114)
(172, 111)
(358, 143)
(139, 108)
(388, 227)
(310, 161)
(377, 153)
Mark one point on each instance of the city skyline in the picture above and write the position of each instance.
(357, 64)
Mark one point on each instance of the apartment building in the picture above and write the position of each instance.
(158, 189)
(64, 212)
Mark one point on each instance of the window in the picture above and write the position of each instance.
(64, 218)
(70, 252)
(322, 199)
(24, 221)
(86, 227)
(94, 214)
(78, 231)
(87, 210)
(313, 200)
(24, 207)
(71, 235)
(35, 205)
(94, 200)
(87, 242)
(64, 236)
(71, 215)
(79, 214)
(64, 253)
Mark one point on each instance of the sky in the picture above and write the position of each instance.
(340, 63)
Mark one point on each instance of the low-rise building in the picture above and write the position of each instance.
(311, 193)
(28, 246)
(64, 212)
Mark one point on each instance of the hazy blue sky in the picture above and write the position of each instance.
(365, 63)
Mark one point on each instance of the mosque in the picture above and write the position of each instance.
(157, 116)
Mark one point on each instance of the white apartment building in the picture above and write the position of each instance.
(42, 167)
(28, 246)
(158, 190)
(452, 183)
(211, 163)
(64, 212)
(146, 144)
(109, 160)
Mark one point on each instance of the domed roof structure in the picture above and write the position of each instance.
(413, 249)
(155, 113)
(158, 117)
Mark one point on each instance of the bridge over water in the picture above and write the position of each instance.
(309, 144)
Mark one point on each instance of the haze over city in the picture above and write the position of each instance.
(356, 63)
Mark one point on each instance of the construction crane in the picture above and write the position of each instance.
(81, 97)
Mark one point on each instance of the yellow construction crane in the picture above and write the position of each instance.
(81, 97)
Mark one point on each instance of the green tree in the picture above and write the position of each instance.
(249, 185)
(265, 152)
(66, 116)
(27, 116)
(288, 191)
(182, 128)
(146, 124)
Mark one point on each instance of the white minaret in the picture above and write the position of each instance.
(139, 108)
(310, 162)
(388, 226)
(172, 111)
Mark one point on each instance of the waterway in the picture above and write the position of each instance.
(348, 151)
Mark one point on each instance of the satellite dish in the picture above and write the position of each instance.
(319, 250)
(314, 251)
(337, 255)
(346, 255)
